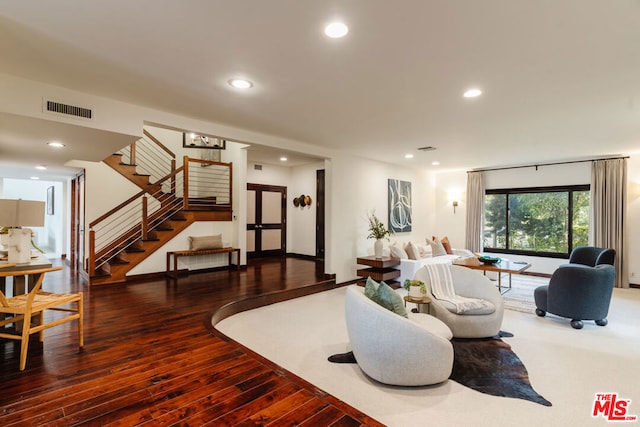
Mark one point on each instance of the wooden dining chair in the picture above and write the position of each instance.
(25, 311)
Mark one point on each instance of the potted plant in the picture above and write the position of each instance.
(416, 288)
(377, 231)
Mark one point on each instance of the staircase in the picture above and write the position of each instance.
(166, 205)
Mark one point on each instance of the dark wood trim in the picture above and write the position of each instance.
(320, 213)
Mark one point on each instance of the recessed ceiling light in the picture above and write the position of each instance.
(41, 167)
(408, 156)
(472, 93)
(55, 144)
(283, 159)
(240, 83)
(35, 177)
(335, 30)
(435, 163)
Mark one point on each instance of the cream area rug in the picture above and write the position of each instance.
(520, 296)
(567, 366)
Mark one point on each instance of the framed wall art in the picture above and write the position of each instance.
(399, 203)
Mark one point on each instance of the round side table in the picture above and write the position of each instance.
(419, 302)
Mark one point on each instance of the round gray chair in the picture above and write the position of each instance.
(578, 293)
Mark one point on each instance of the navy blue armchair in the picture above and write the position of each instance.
(578, 293)
(592, 256)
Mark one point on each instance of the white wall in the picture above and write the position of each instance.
(303, 219)
(357, 186)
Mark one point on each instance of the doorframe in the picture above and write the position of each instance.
(77, 243)
(320, 213)
(259, 188)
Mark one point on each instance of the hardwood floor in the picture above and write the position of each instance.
(152, 358)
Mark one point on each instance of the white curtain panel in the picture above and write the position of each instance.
(475, 211)
(608, 212)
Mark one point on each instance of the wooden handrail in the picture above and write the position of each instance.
(160, 144)
(185, 183)
(131, 199)
(207, 162)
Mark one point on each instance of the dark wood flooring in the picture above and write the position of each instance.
(152, 358)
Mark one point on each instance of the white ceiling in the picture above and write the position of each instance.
(561, 78)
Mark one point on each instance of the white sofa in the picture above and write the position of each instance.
(395, 350)
(409, 267)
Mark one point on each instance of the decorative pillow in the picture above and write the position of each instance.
(390, 299)
(412, 251)
(371, 288)
(397, 252)
(436, 247)
(447, 245)
(416, 251)
(205, 242)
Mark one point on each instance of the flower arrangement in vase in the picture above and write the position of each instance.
(416, 288)
(377, 231)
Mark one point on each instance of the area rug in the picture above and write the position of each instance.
(490, 366)
(520, 296)
(486, 365)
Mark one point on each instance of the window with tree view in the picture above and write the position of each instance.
(547, 221)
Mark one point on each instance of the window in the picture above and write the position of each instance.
(543, 221)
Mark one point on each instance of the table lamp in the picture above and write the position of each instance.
(15, 214)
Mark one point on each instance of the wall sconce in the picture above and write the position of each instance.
(455, 205)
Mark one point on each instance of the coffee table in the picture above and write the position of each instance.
(504, 266)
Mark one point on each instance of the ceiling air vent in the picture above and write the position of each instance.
(428, 148)
(257, 167)
(68, 110)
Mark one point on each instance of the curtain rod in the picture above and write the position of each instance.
(546, 164)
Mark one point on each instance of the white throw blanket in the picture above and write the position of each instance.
(442, 288)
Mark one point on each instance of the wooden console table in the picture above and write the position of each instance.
(380, 269)
(172, 268)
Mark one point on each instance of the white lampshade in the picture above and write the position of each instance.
(21, 213)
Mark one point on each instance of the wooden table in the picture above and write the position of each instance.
(504, 266)
(19, 282)
(380, 269)
(418, 302)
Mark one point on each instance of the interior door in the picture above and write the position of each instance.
(266, 220)
(77, 222)
(320, 194)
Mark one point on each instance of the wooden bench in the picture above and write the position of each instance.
(173, 272)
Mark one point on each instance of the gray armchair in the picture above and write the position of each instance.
(578, 293)
(592, 256)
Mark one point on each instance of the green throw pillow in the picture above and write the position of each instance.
(390, 299)
(371, 288)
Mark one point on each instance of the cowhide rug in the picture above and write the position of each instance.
(486, 365)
